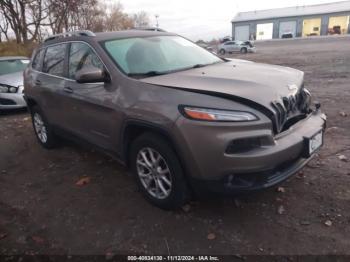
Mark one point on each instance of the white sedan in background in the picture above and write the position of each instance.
(236, 46)
(11, 82)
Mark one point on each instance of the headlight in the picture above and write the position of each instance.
(8, 89)
(207, 114)
(13, 89)
(3, 89)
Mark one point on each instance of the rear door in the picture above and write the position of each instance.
(50, 81)
(229, 46)
(237, 46)
(91, 109)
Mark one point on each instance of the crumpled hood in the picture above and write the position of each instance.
(13, 79)
(260, 83)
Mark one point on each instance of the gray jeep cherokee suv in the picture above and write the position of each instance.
(180, 117)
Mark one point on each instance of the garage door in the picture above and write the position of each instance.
(264, 31)
(242, 32)
(312, 27)
(338, 25)
(288, 27)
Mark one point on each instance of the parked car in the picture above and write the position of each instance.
(237, 46)
(225, 39)
(206, 46)
(287, 35)
(11, 82)
(183, 119)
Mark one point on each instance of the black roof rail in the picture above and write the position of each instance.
(149, 29)
(70, 33)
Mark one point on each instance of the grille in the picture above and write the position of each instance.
(291, 109)
(7, 102)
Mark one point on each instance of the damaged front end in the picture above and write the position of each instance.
(291, 109)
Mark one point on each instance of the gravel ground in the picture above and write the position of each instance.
(43, 211)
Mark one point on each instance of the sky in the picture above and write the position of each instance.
(203, 19)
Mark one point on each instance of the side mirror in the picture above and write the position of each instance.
(91, 74)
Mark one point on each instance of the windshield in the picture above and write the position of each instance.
(12, 66)
(158, 55)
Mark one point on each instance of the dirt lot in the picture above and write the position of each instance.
(42, 210)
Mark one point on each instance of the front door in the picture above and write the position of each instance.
(91, 113)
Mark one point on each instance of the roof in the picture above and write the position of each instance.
(128, 34)
(293, 11)
(104, 36)
(149, 28)
(2, 58)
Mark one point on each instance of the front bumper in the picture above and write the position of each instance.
(241, 183)
(252, 50)
(12, 101)
(256, 169)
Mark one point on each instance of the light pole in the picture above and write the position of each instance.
(157, 25)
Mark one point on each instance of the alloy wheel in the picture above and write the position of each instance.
(154, 173)
(40, 128)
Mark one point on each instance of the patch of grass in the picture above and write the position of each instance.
(11, 48)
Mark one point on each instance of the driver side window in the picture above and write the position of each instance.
(80, 56)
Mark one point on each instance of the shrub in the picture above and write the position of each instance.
(11, 48)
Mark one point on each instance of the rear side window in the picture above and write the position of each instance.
(37, 59)
(81, 55)
(54, 60)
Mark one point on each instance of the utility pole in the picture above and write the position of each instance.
(157, 25)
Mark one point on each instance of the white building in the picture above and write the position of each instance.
(299, 21)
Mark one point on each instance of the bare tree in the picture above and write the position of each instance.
(4, 28)
(116, 19)
(24, 18)
(57, 15)
(141, 19)
(32, 20)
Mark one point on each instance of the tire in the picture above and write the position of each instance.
(42, 129)
(152, 178)
(222, 51)
(244, 50)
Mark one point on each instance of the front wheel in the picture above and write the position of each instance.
(222, 51)
(42, 129)
(158, 171)
(244, 50)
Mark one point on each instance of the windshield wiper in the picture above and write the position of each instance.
(203, 65)
(147, 74)
(157, 73)
(199, 65)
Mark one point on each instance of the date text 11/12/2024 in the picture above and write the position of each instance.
(173, 258)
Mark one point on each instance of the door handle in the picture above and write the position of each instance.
(37, 82)
(68, 89)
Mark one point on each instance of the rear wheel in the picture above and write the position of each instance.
(222, 51)
(42, 129)
(158, 171)
(244, 50)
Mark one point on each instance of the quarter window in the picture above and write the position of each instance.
(54, 60)
(81, 56)
(37, 59)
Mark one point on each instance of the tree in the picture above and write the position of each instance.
(141, 19)
(116, 19)
(24, 18)
(4, 26)
(32, 20)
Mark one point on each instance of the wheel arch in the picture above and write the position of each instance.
(31, 102)
(134, 128)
